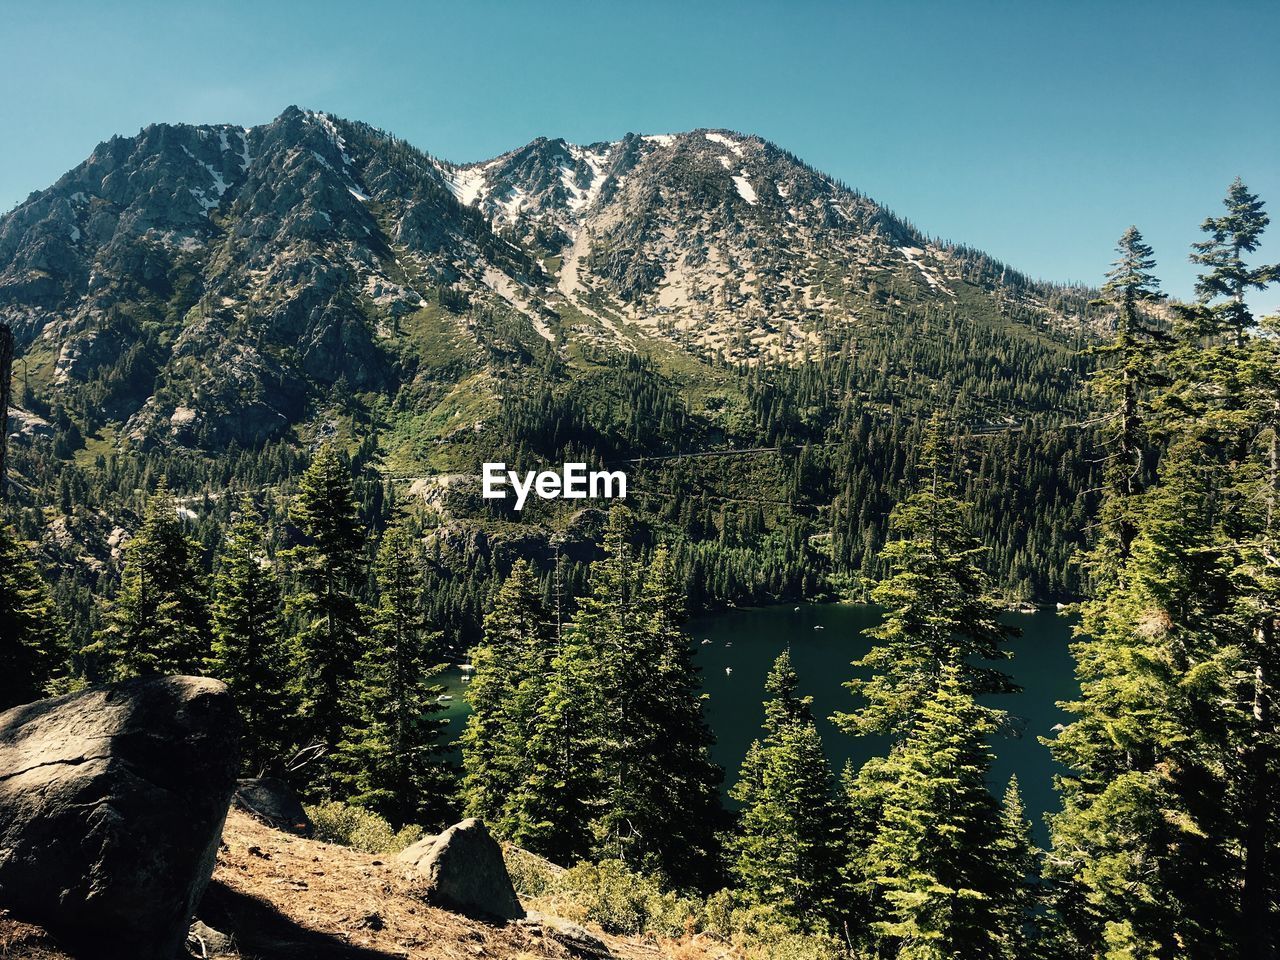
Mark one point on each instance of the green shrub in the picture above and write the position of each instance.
(360, 829)
(762, 935)
(531, 875)
(627, 903)
(620, 900)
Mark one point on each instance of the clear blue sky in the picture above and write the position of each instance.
(1034, 130)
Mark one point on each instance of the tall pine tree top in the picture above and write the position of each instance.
(1227, 275)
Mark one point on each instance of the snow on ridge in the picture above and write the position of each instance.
(467, 184)
(219, 183)
(745, 190)
(661, 139)
(579, 198)
(724, 141)
(513, 204)
(912, 255)
(331, 128)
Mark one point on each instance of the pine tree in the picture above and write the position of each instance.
(1227, 278)
(1255, 579)
(249, 651)
(787, 852)
(159, 620)
(936, 869)
(391, 757)
(671, 798)
(617, 754)
(324, 607)
(506, 687)
(30, 653)
(1165, 841)
(551, 808)
(939, 609)
(1126, 381)
(577, 741)
(1014, 856)
(1141, 845)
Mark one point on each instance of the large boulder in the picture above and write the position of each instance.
(462, 869)
(111, 810)
(273, 802)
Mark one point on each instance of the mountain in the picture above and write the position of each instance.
(233, 271)
(208, 302)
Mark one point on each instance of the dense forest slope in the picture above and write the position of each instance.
(207, 302)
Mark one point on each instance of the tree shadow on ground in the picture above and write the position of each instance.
(262, 931)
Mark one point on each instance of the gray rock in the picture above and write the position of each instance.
(111, 810)
(578, 939)
(205, 942)
(273, 801)
(462, 869)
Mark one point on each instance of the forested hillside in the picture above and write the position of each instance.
(210, 304)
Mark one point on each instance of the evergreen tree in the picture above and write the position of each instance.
(1015, 859)
(324, 607)
(551, 807)
(670, 800)
(508, 683)
(1125, 382)
(1255, 615)
(390, 759)
(617, 755)
(939, 610)
(249, 651)
(1140, 850)
(577, 741)
(787, 854)
(1222, 309)
(159, 621)
(30, 650)
(939, 865)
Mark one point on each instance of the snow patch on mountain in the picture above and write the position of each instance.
(913, 256)
(724, 141)
(467, 184)
(579, 198)
(745, 190)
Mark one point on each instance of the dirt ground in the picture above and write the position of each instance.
(281, 897)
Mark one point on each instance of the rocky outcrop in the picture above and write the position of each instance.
(579, 941)
(273, 802)
(462, 869)
(111, 808)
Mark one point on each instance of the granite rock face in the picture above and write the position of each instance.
(112, 802)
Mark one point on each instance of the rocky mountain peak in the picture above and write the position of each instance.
(237, 273)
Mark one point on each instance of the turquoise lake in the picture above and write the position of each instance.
(744, 643)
